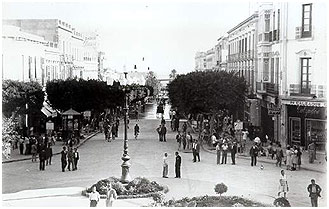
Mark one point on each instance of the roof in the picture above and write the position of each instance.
(71, 112)
(243, 22)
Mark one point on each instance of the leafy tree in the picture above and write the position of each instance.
(16, 94)
(207, 92)
(173, 74)
(83, 95)
(152, 81)
(220, 188)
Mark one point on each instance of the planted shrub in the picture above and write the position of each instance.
(281, 202)
(220, 188)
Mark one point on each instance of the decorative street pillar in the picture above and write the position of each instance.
(125, 177)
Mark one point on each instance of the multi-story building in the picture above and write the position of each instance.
(51, 63)
(200, 61)
(210, 59)
(78, 54)
(291, 82)
(221, 53)
(23, 55)
(242, 58)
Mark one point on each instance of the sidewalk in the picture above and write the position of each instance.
(319, 165)
(57, 148)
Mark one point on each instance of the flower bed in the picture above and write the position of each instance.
(137, 188)
(213, 201)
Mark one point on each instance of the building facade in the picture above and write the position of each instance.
(221, 54)
(78, 54)
(200, 61)
(210, 59)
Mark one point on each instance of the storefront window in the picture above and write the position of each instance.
(295, 133)
(316, 132)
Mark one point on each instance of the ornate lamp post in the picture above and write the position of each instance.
(125, 177)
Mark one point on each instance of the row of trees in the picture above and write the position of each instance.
(208, 92)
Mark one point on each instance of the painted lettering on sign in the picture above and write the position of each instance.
(308, 111)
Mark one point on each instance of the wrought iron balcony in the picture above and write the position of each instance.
(267, 88)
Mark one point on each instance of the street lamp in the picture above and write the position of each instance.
(125, 177)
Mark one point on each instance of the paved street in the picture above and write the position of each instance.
(100, 159)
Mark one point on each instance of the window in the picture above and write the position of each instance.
(272, 70)
(278, 37)
(307, 21)
(266, 70)
(277, 69)
(260, 36)
(305, 75)
(267, 25)
(245, 43)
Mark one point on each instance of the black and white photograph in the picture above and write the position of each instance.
(154, 103)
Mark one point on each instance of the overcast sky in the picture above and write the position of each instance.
(166, 33)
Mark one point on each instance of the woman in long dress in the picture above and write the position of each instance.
(283, 186)
(288, 158)
(111, 196)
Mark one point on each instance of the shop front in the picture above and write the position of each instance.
(307, 123)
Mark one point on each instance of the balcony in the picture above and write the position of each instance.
(314, 90)
(267, 88)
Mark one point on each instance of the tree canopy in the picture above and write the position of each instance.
(207, 92)
(16, 94)
(152, 81)
(83, 95)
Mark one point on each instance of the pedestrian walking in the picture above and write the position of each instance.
(279, 156)
(194, 151)
(70, 158)
(165, 166)
(178, 163)
(94, 197)
(224, 153)
(34, 152)
(164, 132)
(179, 140)
(113, 131)
(27, 146)
(184, 140)
(233, 152)
(197, 150)
(253, 154)
(76, 158)
(218, 150)
(42, 159)
(314, 192)
(289, 158)
(49, 154)
(111, 196)
(283, 186)
(294, 158)
(63, 158)
(311, 152)
(136, 131)
(189, 140)
(21, 146)
(159, 132)
(184, 127)
(299, 157)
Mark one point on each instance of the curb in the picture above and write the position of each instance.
(29, 158)
(247, 158)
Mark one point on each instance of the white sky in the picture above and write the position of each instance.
(166, 33)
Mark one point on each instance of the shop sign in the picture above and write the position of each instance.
(305, 103)
(50, 126)
(274, 111)
(308, 110)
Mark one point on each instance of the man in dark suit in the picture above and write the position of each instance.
(64, 158)
(314, 191)
(164, 132)
(177, 165)
(42, 158)
(253, 154)
(75, 159)
(233, 152)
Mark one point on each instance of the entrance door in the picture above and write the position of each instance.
(295, 131)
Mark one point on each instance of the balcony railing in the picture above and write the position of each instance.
(269, 88)
(312, 90)
(241, 56)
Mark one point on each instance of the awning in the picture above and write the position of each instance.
(71, 112)
(48, 110)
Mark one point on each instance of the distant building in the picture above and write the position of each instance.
(78, 53)
(210, 59)
(200, 61)
(221, 53)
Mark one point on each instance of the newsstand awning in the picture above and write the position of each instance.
(71, 112)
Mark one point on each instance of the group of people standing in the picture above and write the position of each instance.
(178, 163)
(111, 129)
(70, 158)
(111, 196)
